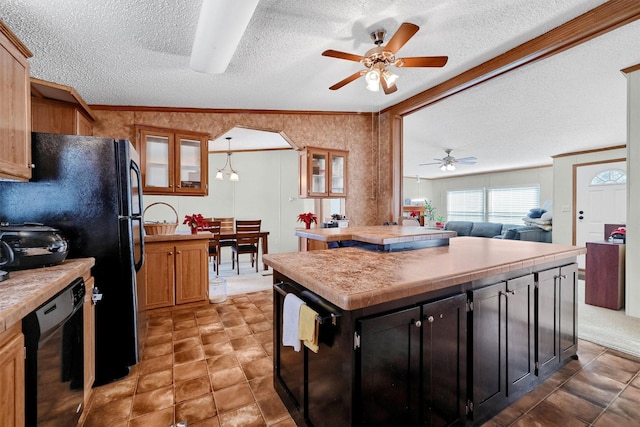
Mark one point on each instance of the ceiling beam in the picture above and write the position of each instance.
(600, 20)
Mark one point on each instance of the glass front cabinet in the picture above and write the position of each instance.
(323, 172)
(173, 161)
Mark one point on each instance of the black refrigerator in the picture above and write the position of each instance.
(90, 189)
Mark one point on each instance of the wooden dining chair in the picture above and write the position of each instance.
(247, 238)
(226, 226)
(213, 227)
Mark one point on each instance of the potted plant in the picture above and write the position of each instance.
(440, 222)
(307, 218)
(195, 222)
(429, 211)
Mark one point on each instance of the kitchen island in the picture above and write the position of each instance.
(435, 336)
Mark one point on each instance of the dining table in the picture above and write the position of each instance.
(264, 241)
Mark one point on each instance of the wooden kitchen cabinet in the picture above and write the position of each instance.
(172, 161)
(175, 273)
(15, 107)
(89, 340)
(323, 173)
(12, 379)
(426, 346)
(605, 272)
(57, 108)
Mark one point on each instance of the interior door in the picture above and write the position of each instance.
(598, 202)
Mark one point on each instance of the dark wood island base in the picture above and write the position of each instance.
(449, 354)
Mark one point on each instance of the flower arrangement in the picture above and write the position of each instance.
(195, 222)
(307, 218)
(414, 214)
(440, 222)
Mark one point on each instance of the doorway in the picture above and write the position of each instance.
(601, 198)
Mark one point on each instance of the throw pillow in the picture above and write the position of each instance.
(535, 213)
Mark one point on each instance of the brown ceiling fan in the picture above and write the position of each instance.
(377, 60)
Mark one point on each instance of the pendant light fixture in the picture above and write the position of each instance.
(233, 174)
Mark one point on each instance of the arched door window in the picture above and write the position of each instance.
(610, 177)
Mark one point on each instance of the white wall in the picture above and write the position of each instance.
(267, 190)
(632, 295)
(436, 189)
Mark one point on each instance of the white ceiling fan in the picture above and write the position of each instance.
(448, 162)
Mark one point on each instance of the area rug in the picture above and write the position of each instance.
(247, 281)
(609, 328)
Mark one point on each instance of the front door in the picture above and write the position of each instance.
(601, 198)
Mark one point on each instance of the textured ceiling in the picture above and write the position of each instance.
(120, 52)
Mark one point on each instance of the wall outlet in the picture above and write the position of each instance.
(566, 208)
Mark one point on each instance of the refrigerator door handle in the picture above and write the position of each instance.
(138, 217)
(138, 264)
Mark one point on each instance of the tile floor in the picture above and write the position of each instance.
(211, 365)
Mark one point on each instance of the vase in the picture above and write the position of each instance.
(194, 231)
(307, 225)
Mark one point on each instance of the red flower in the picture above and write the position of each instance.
(195, 221)
(414, 214)
(308, 218)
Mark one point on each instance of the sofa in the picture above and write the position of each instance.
(499, 231)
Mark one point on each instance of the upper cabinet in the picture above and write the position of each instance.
(173, 161)
(15, 115)
(323, 172)
(57, 108)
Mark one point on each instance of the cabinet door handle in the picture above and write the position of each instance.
(178, 252)
(169, 253)
(560, 276)
(417, 323)
(430, 319)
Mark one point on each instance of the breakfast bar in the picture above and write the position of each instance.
(432, 336)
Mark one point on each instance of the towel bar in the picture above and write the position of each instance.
(314, 301)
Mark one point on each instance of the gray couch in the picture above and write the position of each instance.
(499, 231)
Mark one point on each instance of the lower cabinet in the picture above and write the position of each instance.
(12, 398)
(89, 341)
(413, 365)
(175, 273)
(503, 343)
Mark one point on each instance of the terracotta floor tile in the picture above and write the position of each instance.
(115, 412)
(164, 417)
(264, 337)
(186, 343)
(159, 330)
(238, 331)
(627, 405)
(246, 416)
(273, 410)
(151, 351)
(233, 397)
(228, 377)
(115, 391)
(209, 311)
(248, 354)
(609, 419)
(232, 319)
(156, 364)
(285, 423)
(194, 410)
(583, 409)
(154, 380)
(211, 328)
(506, 417)
(614, 367)
(190, 370)
(217, 349)
(262, 387)
(220, 363)
(159, 339)
(636, 382)
(186, 333)
(190, 389)
(159, 319)
(257, 368)
(208, 320)
(190, 355)
(152, 401)
(545, 414)
(261, 326)
(209, 422)
(243, 342)
(214, 337)
(593, 388)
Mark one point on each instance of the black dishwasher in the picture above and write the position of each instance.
(54, 366)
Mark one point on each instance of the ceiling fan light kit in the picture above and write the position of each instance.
(448, 162)
(377, 60)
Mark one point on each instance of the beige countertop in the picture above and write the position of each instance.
(26, 290)
(201, 235)
(354, 278)
(378, 235)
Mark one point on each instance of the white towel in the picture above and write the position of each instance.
(291, 321)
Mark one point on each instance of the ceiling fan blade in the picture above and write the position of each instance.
(466, 160)
(422, 61)
(388, 89)
(342, 55)
(349, 79)
(428, 164)
(404, 33)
